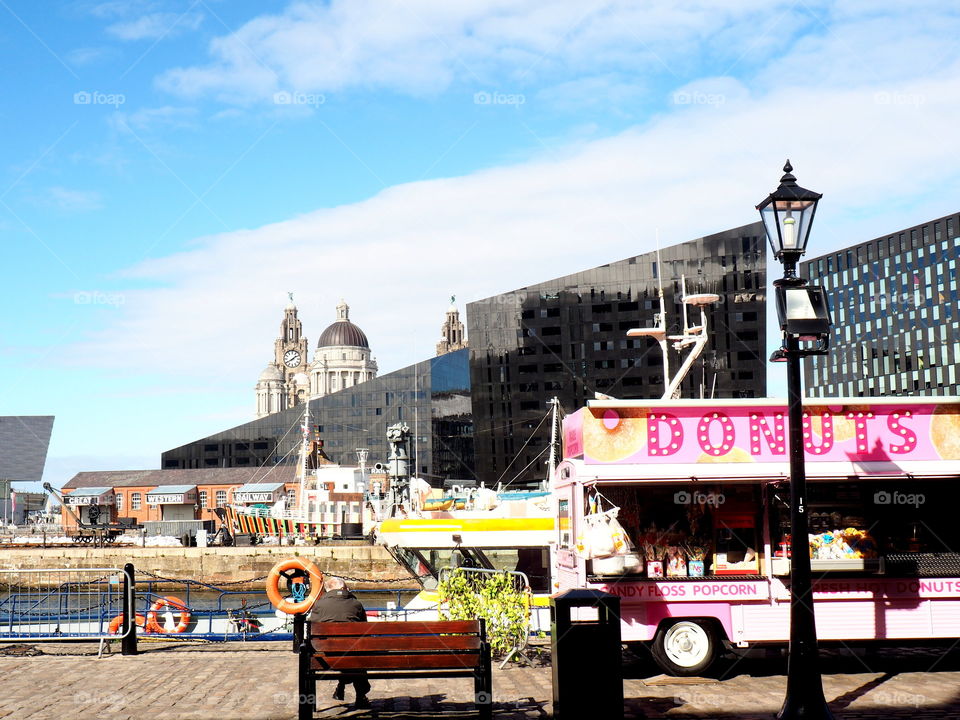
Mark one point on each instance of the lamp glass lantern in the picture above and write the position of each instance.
(803, 311)
(787, 215)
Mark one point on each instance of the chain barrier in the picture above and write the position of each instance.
(209, 586)
(200, 583)
(379, 581)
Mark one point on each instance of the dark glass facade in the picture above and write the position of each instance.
(566, 337)
(432, 397)
(894, 304)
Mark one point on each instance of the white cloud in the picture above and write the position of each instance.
(146, 119)
(397, 256)
(423, 46)
(599, 91)
(119, 8)
(70, 200)
(89, 55)
(154, 26)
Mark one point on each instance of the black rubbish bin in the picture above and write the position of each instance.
(587, 659)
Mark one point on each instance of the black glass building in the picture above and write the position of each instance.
(566, 337)
(432, 397)
(894, 304)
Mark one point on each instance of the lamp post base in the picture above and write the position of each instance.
(804, 699)
(805, 709)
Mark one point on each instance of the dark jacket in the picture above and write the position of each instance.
(337, 606)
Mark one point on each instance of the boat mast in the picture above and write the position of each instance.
(552, 461)
(662, 321)
(694, 337)
(304, 451)
(416, 420)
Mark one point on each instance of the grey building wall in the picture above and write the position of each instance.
(566, 337)
(24, 440)
(894, 303)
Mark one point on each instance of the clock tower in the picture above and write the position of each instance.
(290, 353)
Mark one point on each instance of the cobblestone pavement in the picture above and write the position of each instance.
(257, 681)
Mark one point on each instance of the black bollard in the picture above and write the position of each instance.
(128, 645)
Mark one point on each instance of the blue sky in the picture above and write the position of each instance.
(169, 170)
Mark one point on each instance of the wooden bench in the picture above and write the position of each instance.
(385, 650)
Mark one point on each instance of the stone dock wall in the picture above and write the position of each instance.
(218, 564)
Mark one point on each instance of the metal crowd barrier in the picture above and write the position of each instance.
(60, 604)
(522, 584)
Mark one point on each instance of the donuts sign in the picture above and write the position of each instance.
(694, 432)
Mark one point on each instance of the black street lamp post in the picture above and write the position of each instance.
(787, 215)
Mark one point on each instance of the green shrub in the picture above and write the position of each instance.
(494, 597)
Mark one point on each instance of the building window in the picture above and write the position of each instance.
(221, 498)
(119, 502)
(203, 498)
(135, 501)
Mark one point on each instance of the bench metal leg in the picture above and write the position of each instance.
(307, 686)
(483, 684)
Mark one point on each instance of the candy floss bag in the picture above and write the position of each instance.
(603, 536)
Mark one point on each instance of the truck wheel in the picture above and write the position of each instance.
(685, 647)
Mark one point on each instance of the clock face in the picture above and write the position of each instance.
(291, 358)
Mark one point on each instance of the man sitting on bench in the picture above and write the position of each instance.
(338, 604)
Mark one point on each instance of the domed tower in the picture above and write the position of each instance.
(271, 395)
(343, 358)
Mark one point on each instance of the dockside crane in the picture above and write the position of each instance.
(93, 532)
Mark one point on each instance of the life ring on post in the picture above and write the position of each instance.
(117, 623)
(295, 571)
(176, 605)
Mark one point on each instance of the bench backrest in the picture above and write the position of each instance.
(416, 645)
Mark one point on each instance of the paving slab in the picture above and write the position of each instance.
(257, 681)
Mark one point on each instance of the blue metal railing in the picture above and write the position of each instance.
(84, 605)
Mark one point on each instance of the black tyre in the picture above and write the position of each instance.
(685, 647)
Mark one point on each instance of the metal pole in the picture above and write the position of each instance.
(128, 645)
(804, 699)
(299, 624)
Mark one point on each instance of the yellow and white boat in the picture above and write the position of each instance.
(481, 529)
(516, 534)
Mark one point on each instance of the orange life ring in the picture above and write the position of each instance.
(294, 570)
(117, 622)
(176, 605)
